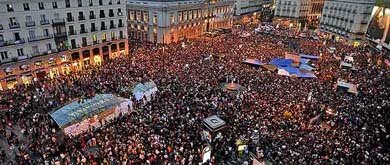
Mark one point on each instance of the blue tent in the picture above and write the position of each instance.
(78, 111)
(290, 70)
(306, 67)
(281, 62)
(253, 62)
(306, 75)
(313, 57)
(304, 60)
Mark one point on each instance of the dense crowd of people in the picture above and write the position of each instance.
(167, 130)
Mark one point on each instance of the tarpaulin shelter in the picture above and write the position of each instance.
(306, 67)
(270, 67)
(351, 88)
(312, 57)
(74, 117)
(295, 57)
(146, 89)
(254, 62)
(304, 60)
(281, 62)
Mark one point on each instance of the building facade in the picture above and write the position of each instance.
(247, 10)
(346, 18)
(174, 20)
(378, 31)
(315, 12)
(291, 12)
(47, 38)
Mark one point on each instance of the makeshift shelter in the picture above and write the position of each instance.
(306, 67)
(295, 57)
(312, 57)
(214, 123)
(144, 90)
(281, 62)
(270, 67)
(348, 87)
(80, 115)
(253, 62)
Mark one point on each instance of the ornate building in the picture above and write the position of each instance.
(43, 39)
(173, 20)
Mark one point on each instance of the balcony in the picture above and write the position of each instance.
(92, 16)
(81, 18)
(120, 25)
(112, 26)
(103, 28)
(122, 37)
(102, 16)
(45, 22)
(39, 38)
(14, 25)
(58, 21)
(72, 32)
(30, 23)
(93, 29)
(111, 14)
(58, 35)
(70, 19)
(82, 31)
(11, 42)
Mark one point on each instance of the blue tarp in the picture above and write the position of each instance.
(77, 111)
(306, 67)
(253, 62)
(313, 57)
(304, 60)
(305, 75)
(290, 70)
(281, 62)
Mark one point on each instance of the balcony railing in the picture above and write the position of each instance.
(38, 38)
(81, 18)
(111, 14)
(14, 25)
(45, 22)
(70, 19)
(120, 25)
(30, 23)
(83, 31)
(62, 34)
(92, 16)
(103, 28)
(102, 16)
(112, 26)
(11, 42)
(93, 29)
(73, 32)
(58, 21)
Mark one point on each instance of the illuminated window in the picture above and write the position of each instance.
(155, 19)
(179, 16)
(112, 35)
(94, 38)
(172, 19)
(104, 37)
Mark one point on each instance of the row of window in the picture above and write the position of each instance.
(73, 44)
(94, 28)
(92, 15)
(181, 15)
(33, 37)
(41, 5)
